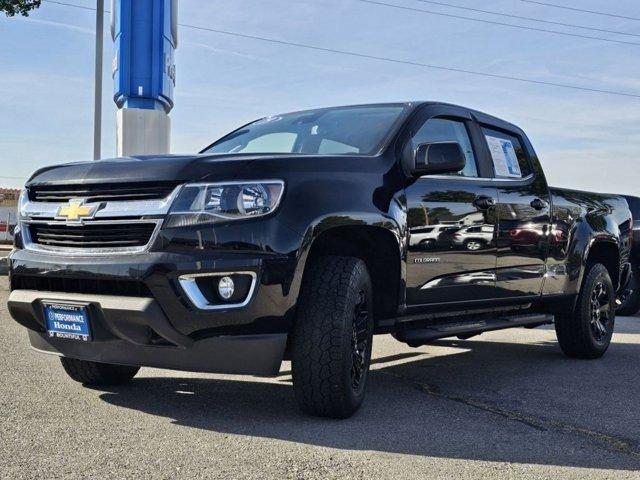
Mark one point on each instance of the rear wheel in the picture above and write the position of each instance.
(586, 332)
(93, 373)
(473, 245)
(331, 342)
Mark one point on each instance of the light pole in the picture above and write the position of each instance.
(97, 109)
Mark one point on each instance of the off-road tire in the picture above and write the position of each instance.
(575, 330)
(93, 373)
(323, 354)
(631, 303)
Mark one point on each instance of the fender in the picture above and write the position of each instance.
(338, 192)
(394, 223)
(587, 234)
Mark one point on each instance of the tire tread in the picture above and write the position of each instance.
(572, 330)
(93, 373)
(318, 341)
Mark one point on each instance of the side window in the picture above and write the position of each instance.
(444, 130)
(507, 153)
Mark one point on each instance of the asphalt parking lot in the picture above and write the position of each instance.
(502, 405)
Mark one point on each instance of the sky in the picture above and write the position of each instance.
(585, 139)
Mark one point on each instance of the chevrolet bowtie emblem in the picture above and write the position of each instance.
(75, 211)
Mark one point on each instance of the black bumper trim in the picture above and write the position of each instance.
(259, 355)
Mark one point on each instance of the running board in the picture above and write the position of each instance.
(468, 328)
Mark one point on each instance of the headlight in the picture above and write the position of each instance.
(199, 203)
(22, 202)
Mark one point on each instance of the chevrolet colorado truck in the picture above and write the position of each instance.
(291, 239)
(629, 298)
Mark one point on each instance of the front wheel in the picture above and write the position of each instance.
(586, 332)
(97, 374)
(332, 337)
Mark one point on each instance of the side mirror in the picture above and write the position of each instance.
(442, 157)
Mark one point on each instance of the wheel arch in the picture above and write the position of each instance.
(379, 244)
(607, 252)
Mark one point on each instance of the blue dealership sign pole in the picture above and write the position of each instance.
(145, 37)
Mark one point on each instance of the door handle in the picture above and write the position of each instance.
(539, 204)
(484, 203)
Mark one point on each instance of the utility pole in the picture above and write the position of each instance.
(97, 109)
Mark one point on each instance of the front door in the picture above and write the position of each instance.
(452, 224)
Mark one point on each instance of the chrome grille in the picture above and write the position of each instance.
(103, 192)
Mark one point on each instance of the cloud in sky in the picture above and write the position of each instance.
(56, 24)
(225, 81)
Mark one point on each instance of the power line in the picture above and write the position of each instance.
(530, 19)
(404, 62)
(72, 5)
(461, 17)
(594, 12)
(492, 22)
(471, 19)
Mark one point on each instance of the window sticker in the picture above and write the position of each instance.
(504, 157)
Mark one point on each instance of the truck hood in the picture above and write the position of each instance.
(174, 168)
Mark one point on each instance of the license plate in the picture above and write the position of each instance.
(67, 321)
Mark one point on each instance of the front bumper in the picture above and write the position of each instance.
(156, 275)
(141, 315)
(135, 331)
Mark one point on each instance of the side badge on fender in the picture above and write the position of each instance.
(426, 260)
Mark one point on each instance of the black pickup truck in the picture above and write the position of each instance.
(299, 236)
(629, 298)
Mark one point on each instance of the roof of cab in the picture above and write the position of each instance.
(413, 105)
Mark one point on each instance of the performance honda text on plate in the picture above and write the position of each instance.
(300, 236)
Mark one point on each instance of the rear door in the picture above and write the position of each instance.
(523, 212)
(440, 270)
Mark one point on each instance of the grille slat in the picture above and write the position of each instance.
(96, 244)
(102, 192)
(129, 288)
(96, 198)
(123, 236)
(92, 236)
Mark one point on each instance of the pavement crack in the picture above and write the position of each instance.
(610, 442)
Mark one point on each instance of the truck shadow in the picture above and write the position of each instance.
(487, 401)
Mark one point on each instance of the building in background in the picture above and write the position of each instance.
(8, 212)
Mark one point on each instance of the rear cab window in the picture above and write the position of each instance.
(509, 158)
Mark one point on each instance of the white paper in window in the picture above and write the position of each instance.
(505, 160)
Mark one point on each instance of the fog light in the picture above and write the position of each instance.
(226, 288)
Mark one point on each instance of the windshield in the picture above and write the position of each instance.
(332, 131)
